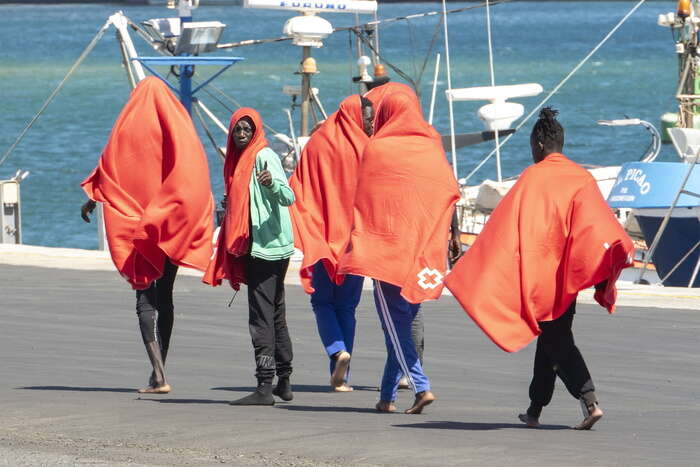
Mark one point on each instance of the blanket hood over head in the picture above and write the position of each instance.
(324, 185)
(153, 182)
(404, 202)
(234, 239)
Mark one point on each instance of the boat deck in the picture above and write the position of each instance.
(72, 359)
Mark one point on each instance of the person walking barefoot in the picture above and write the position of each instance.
(153, 183)
(551, 236)
(400, 226)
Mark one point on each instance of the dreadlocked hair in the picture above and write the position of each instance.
(548, 131)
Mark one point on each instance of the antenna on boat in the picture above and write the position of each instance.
(498, 115)
(493, 83)
(308, 30)
(450, 107)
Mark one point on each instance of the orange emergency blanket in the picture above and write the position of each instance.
(153, 182)
(324, 184)
(404, 202)
(233, 242)
(551, 236)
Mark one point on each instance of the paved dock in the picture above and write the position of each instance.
(72, 359)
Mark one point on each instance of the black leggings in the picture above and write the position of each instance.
(267, 319)
(154, 308)
(557, 354)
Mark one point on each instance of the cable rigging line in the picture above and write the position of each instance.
(556, 88)
(55, 92)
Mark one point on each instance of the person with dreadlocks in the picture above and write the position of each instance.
(550, 237)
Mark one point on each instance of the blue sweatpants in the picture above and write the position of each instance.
(334, 307)
(396, 316)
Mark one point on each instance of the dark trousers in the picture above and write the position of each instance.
(267, 318)
(154, 308)
(557, 354)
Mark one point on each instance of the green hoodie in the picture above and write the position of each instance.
(270, 224)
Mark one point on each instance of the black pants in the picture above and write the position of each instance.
(154, 308)
(557, 354)
(267, 318)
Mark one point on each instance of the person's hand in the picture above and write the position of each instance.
(455, 247)
(86, 209)
(264, 176)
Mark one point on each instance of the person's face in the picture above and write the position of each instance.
(368, 119)
(242, 133)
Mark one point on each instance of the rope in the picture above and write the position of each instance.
(412, 43)
(493, 83)
(429, 53)
(159, 46)
(207, 132)
(55, 92)
(557, 87)
(232, 45)
(450, 106)
(398, 70)
(231, 99)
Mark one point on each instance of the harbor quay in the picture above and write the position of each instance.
(72, 362)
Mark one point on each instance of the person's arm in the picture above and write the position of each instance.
(455, 249)
(86, 209)
(272, 177)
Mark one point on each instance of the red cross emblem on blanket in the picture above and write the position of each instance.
(429, 278)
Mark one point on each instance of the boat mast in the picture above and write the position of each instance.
(688, 93)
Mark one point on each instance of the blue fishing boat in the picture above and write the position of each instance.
(665, 196)
(668, 215)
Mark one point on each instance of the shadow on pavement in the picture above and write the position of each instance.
(295, 387)
(184, 401)
(76, 388)
(442, 425)
(311, 408)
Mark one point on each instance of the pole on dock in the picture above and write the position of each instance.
(308, 68)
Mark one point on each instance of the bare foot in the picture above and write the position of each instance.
(385, 407)
(341, 367)
(343, 388)
(162, 389)
(594, 414)
(531, 422)
(422, 399)
(403, 383)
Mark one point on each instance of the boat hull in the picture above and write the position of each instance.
(650, 188)
(681, 234)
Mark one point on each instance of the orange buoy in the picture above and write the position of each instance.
(379, 70)
(683, 10)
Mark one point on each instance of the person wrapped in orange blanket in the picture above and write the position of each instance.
(153, 183)
(551, 236)
(324, 184)
(254, 247)
(403, 206)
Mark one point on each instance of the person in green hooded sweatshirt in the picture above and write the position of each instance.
(254, 247)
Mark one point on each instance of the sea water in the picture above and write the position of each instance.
(634, 74)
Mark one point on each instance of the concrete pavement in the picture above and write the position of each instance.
(72, 359)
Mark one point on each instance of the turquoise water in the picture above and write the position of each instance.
(634, 74)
